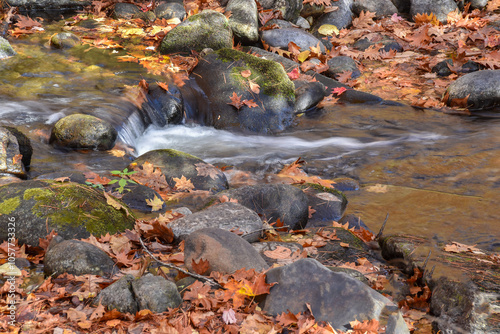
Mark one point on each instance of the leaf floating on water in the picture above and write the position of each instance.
(456, 247)
(378, 188)
(117, 153)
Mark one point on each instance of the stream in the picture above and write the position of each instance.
(437, 175)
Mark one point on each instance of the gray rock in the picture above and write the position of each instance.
(303, 23)
(162, 107)
(342, 64)
(6, 49)
(290, 9)
(403, 6)
(333, 297)
(273, 201)
(308, 95)
(48, 4)
(478, 4)
(125, 11)
(440, 8)
(244, 21)
(225, 251)
(281, 37)
(72, 210)
(281, 24)
(227, 216)
(330, 204)
(64, 40)
(11, 158)
(340, 18)
(169, 10)
(80, 131)
(175, 164)
(379, 7)
(209, 29)
(136, 197)
(119, 296)
(482, 89)
(155, 293)
(77, 258)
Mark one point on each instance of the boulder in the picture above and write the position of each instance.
(271, 250)
(40, 5)
(162, 107)
(74, 211)
(244, 20)
(440, 8)
(118, 296)
(379, 7)
(481, 90)
(274, 201)
(329, 204)
(80, 131)
(12, 159)
(281, 37)
(226, 216)
(225, 251)
(125, 11)
(170, 10)
(219, 75)
(175, 164)
(6, 49)
(77, 258)
(308, 95)
(64, 40)
(290, 9)
(340, 64)
(208, 29)
(155, 293)
(136, 197)
(333, 297)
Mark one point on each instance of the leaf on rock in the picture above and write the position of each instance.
(364, 20)
(95, 178)
(254, 87)
(421, 19)
(338, 90)
(303, 56)
(183, 184)
(246, 73)
(155, 204)
(150, 176)
(279, 253)
(294, 74)
(236, 101)
(114, 203)
(456, 247)
(201, 267)
(250, 103)
(328, 30)
(25, 22)
(205, 169)
(163, 85)
(365, 327)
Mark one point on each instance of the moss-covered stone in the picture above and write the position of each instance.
(64, 40)
(72, 210)
(5, 49)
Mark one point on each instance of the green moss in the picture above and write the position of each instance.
(269, 75)
(9, 205)
(36, 193)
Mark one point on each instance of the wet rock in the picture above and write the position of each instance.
(244, 21)
(379, 7)
(170, 10)
(308, 95)
(77, 258)
(227, 216)
(290, 9)
(73, 176)
(80, 131)
(342, 64)
(440, 8)
(266, 250)
(481, 90)
(72, 210)
(333, 297)
(354, 222)
(12, 159)
(136, 197)
(175, 164)
(329, 204)
(64, 40)
(340, 18)
(125, 11)
(118, 296)
(155, 293)
(274, 201)
(225, 251)
(40, 5)
(219, 76)
(209, 29)
(6, 179)
(163, 107)
(281, 37)
(6, 49)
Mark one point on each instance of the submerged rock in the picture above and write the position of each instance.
(64, 40)
(72, 210)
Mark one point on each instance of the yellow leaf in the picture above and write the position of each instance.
(127, 32)
(303, 55)
(183, 183)
(114, 203)
(117, 153)
(155, 204)
(328, 30)
(378, 188)
(9, 269)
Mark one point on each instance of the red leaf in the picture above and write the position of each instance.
(294, 74)
(163, 85)
(236, 101)
(338, 90)
(250, 103)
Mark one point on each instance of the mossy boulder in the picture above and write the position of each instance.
(175, 164)
(208, 29)
(80, 131)
(219, 75)
(6, 49)
(74, 211)
(64, 40)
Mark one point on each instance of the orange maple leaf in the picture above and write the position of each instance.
(236, 101)
(183, 184)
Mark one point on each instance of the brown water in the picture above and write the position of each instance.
(436, 175)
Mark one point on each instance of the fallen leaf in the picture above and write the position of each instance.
(236, 101)
(155, 204)
(328, 30)
(117, 153)
(246, 73)
(114, 203)
(228, 316)
(209, 170)
(183, 184)
(163, 85)
(201, 267)
(378, 188)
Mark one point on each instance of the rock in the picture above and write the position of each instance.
(219, 76)
(333, 297)
(303, 23)
(209, 29)
(340, 18)
(12, 159)
(274, 201)
(281, 37)
(175, 164)
(442, 69)
(312, 9)
(49, 5)
(346, 184)
(6, 49)
(170, 10)
(481, 90)
(244, 21)
(72, 210)
(290, 9)
(64, 40)
(125, 11)
(340, 64)
(73, 176)
(440, 8)
(354, 222)
(387, 43)
(277, 23)
(118, 296)
(379, 7)
(266, 250)
(137, 195)
(227, 216)
(478, 4)
(403, 6)
(77, 258)
(155, 293)
(80, 131)
(308, 95)
(329, 204)
(162, 107)
(225, 251)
